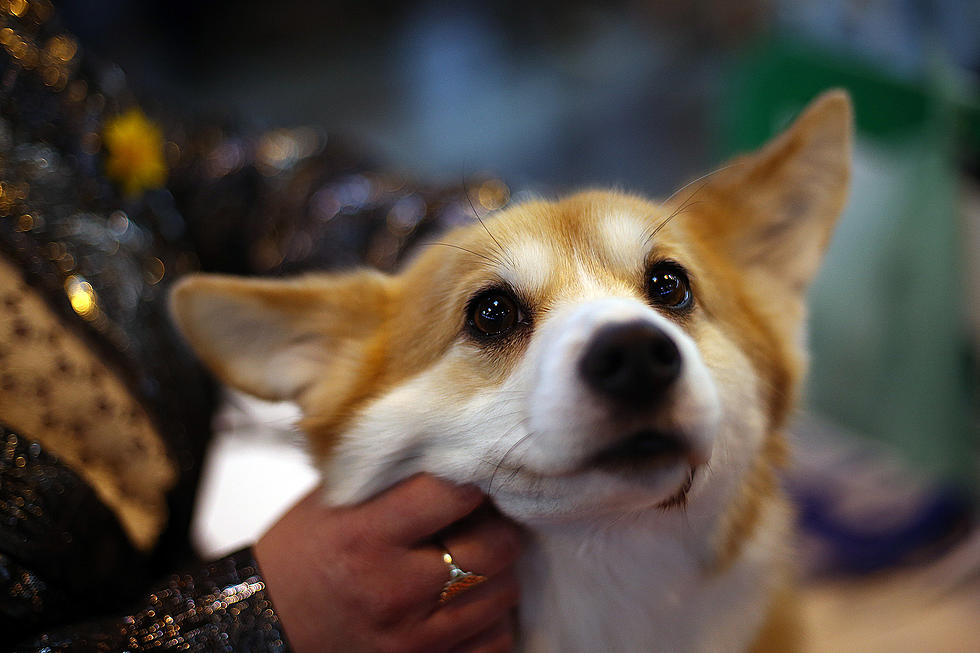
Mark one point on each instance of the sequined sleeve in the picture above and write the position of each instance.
(65, 564)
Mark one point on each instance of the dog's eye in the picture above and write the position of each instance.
(494, 313)
(667, 285)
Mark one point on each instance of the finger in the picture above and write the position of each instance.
(469, 614)
(487, 545)
(499, 638)
(423, 574)
(421, 506)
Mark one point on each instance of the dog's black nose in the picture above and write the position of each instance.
(632, 363)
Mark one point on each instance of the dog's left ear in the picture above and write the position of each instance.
(275, 338)
(774, 210)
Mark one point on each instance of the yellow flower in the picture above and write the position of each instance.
(135, 152)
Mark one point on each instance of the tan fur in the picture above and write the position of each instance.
(750, 246)
(782, 631)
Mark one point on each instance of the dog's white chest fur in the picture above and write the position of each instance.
(630, 589)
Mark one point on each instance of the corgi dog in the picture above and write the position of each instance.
(616, 373)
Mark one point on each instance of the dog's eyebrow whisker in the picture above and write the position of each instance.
(476, 214)
(685, 205)
(705, 178)
(680, 211)
(469, 251)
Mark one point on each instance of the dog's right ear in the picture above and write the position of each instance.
(772, 211)
(275, 338)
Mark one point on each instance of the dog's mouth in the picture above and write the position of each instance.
(647, 450)
(647, 458)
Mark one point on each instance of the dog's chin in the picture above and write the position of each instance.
(608, 486)
(645, 469)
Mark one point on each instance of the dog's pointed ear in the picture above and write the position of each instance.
(780, 203)
(274, 338)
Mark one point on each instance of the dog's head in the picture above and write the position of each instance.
(585, 356)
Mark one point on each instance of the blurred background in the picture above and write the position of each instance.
(644, 96)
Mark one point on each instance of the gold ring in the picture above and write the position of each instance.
(459, 580)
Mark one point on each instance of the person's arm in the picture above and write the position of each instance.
(70, 580)
(220, 606)
(363, 578)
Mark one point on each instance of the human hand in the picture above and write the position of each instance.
(367, 577)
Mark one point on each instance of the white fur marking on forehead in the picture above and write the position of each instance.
(624, 237)
(527, 265)
(590, 287)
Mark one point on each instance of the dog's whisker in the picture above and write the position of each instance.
(503, 435)
(509, 393)
(470, 251)
(517, 470)
(476, 214)
(617, 519)
(500, 463)
(509, 431)
(685, 205)
(490, 461)
(680, 211)
(704, 178)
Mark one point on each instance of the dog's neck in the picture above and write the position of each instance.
(643, 583)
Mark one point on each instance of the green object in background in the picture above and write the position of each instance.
(887, 330)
